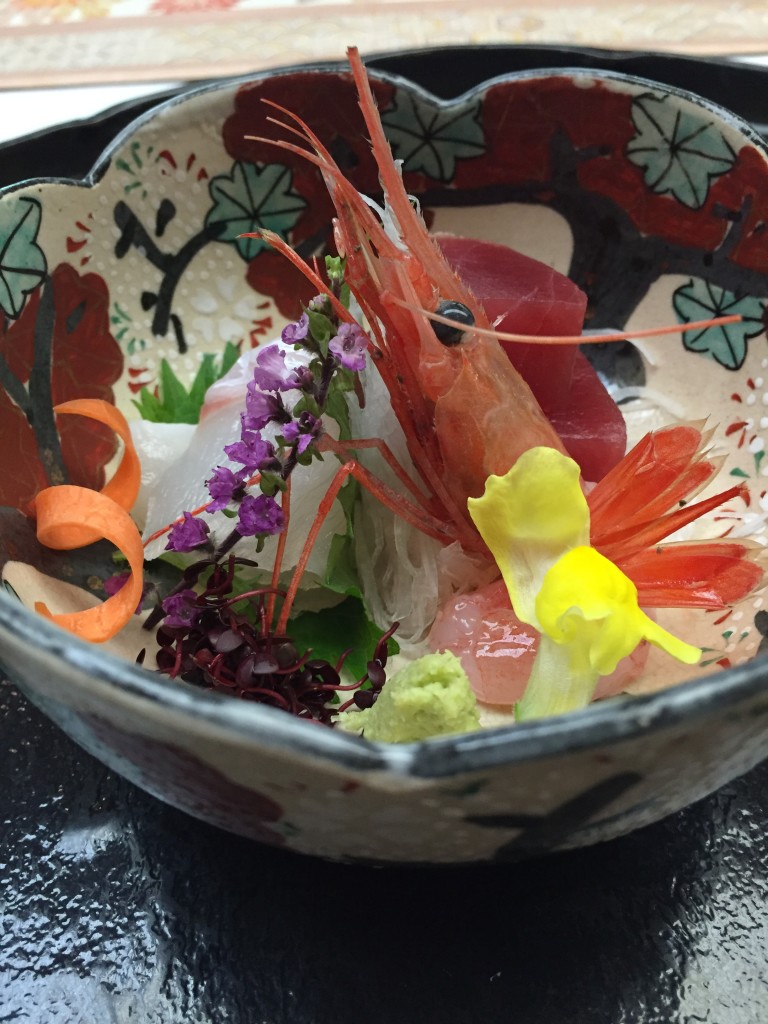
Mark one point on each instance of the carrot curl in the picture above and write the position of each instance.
(70, 517)
(124, 485)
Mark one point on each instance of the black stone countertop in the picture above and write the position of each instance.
(115, 908)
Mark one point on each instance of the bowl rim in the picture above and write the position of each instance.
(600, 724)
(103, 161)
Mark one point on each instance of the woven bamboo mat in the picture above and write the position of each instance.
(54, 42)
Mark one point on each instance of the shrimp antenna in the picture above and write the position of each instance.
(574, 339)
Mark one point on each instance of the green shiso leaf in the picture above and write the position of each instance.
(336, 407)
(320, 329)
(173, 403)
(341, 573)
(334, 630)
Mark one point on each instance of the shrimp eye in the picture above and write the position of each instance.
(453, 311)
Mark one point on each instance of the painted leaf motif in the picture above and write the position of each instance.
(727, 345)
(679, 152)
(431, 138)
(252, 197)
(55, 351)
(22, 261)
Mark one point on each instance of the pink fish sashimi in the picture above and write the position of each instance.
(524, 296)
(497, 650)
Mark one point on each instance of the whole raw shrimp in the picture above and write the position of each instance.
(466, 414)
(465, 411)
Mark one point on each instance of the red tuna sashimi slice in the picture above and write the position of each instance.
(590, 423)
(526, 296)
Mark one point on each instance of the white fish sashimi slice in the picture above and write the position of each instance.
(181, 486)
(229, 390)
(158, 446)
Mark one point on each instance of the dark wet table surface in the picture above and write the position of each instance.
(115, 908)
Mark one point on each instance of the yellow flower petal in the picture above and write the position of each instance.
(529, 518)
(535, 521)
(559, 682)
(587, 602)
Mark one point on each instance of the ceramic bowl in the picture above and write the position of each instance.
(650, 198)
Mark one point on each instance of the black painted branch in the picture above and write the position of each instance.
(40, 393)
(14, 388)
(612, 261)
(135, 235)
(174, 267)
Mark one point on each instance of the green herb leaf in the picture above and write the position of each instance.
(341, 573)
(334, 630)
(335, 267)
(336, 407)
(320, 328)
(173, 403)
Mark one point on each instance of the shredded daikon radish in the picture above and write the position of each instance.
(405, 575)
(398, 571)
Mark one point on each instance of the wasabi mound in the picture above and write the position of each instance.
(429, 697)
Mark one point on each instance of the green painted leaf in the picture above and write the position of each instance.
(252, 197)
(680, 151)
(431, 137)
(727, 345)
(22, 261)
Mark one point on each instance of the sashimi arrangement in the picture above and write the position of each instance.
(413, 513)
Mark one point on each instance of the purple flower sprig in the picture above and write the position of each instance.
(349, 346)
(189, 534)
(202, 638)
(281, 423)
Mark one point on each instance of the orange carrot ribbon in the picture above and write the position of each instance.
(124, 485)
(70, 517)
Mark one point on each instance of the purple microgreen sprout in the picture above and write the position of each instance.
(206, 641)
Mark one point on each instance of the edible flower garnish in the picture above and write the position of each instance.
(212, 632)
(536, 523)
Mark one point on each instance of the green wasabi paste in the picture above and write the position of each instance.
(429, 697)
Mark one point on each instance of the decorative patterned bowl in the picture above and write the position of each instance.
(652, 200)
